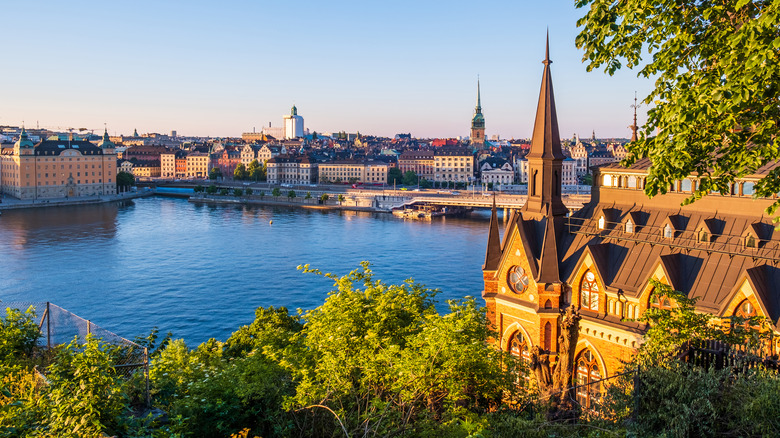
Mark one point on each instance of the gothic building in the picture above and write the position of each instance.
(478, 123)
(722, 250)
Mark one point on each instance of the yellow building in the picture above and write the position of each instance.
(198, 165)
(368, 172)
(453, 164)
(58, 168)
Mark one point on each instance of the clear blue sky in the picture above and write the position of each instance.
(222, 68)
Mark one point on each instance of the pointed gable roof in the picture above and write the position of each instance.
(548, 259)
(493, 253)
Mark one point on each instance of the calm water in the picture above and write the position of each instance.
(200, 271)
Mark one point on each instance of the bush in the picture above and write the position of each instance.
(18, 335)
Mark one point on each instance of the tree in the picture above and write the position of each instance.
(238, 192)
(410, 178)
(395, 176)
(211, 189)
(198, 189)
(716, 67)
(353, 179)
(215, 173)
(276, 192)
(223, 191)
(255, 171)
(308, 195)
(324, 198)
(341, 199)
(249, 191)
(240, 172)
(291, 194)
(425, 184)
(124, 180)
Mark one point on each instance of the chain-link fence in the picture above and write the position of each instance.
(59, 326)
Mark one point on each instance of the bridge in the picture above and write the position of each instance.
(503, 201)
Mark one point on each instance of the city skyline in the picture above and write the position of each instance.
(205, 70)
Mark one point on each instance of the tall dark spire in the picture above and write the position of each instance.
(478, 109)
(634, 127)
(545, 159)
(493, 253)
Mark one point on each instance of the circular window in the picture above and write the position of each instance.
(590, 277)
(518, 280)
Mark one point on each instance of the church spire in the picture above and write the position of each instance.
(634, 127)
(493, 253)
(545, 159)
(478, 109)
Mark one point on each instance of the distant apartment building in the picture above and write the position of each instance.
(267, 152)
(521, 170)
(597, 158)
(58, 167)
(419, 162)
(146, 169)
(287, 169)
(125, 166)
(198, 165)
(368, 172)
(569, 171)
(173, 164)
(453, 164)
(497, 172)
(227, 160)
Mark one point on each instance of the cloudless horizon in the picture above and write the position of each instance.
(208, 69)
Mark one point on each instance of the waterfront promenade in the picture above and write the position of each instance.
(11, 203)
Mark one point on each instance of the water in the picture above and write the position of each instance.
(199, 271)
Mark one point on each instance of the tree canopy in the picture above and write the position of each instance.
(716, 102)
(410, 178)
(124, 180)
(395, 176)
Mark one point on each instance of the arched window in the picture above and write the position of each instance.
(660, 302)
(533, 186)
(588, 380)
(746, 309)
(607, 180)
(602, 222)
(548, 336)
(548, 304)
(629, 226)
(589, 292)
(519, 347)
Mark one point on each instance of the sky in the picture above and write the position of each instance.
(381, 68)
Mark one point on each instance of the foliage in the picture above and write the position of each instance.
(211, 189)
(272, 331)
(276, 192)
(716, 67)
(238, 192)
(425, 184)
(215, 173)
(240, 172)
(18, 335)
(291, 194)
(223, 191)
(261, 194)
(85, 398)
(124, 180)
(249, 190)
(198, 189)
(383, 361)
(324, 198)
(308, 195)
(410, 178)
(395, 176)
(341, 199)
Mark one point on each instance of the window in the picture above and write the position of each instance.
(518, 280)
(602, 222)
(519, 347)
(660, 302)
(589, 292)
(668, 231)
(548, 337)
(750, 241)
(629, 226)
(588, 380)
(704, 236)
(746, 309)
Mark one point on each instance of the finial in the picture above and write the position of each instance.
(547, 50)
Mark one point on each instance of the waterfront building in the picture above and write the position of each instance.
(579, 154)
(599, 157)
(293, 124)
(267, 152)
(124, 166)
(198, 165)
(453, 164)
(497, 171)
(291, 169)
(419, 162)
(354, 171)
(58, 167)
(227, 160)
(721, 250)
(478, 123)
(173, 164)
(147, 169)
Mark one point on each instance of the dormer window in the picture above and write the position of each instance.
(668, 231)
(750, 241)
(629, 227)
(704, 236)
(602, 222)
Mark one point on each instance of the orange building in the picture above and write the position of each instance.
(58, 167)
(722, 250)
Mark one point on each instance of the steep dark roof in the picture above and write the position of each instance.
(56, 147)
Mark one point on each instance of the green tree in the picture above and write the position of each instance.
(212, 189)
(240, 172)
(291, 194)
(249, 190)
(425, 184)
(262, 194)
(324, 198)
(238, 192)
(395, 176)
(276, 192)
(341, 199)
(124, 181)
(353, 180)
(255, 170)
(215, 173)
(716, 67)
(223, 191)
(410, 178)
(198, 189)
(308, 195)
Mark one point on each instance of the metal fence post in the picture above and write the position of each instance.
(48, 326)
(89, 327)
(146, 376)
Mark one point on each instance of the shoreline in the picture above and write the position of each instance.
(313, 206)
(16, 204)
